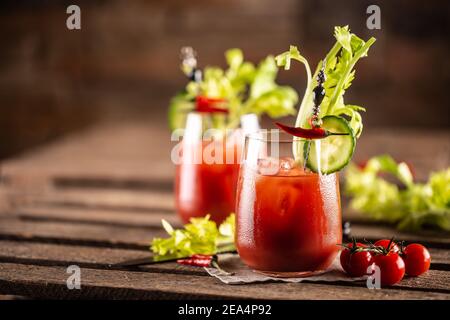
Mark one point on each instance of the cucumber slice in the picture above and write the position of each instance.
(335, 151)
(179, 107)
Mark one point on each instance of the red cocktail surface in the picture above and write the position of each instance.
(288, 222)
(207, 188)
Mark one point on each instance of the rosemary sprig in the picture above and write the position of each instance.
(319, 94)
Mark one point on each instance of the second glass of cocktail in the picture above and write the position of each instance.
(288, 216)
(206, 175)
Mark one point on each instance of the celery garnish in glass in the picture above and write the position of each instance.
(339, 70)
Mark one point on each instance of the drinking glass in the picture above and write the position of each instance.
(288, 217)
(207, 172)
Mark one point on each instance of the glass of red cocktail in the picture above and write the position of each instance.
(207, 171)
(288, 216)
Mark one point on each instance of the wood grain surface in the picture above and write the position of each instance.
(97, 198)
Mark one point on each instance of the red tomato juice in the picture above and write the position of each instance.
(289, 222)
(207, 188)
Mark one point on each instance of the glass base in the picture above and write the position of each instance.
(300, 274)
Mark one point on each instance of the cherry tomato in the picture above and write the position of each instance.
(355, 263)
(392, 268)
(417, 259)
(385, 242)
(345, 254)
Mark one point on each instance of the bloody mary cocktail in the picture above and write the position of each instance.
(207, 188)
(289, 222)
(288, 217)
(208, 169)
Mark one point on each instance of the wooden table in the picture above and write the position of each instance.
(97, 197)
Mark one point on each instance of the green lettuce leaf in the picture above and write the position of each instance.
(246, 87)
(268, 97)
(411, 207)
(179, 107)
(200, 236)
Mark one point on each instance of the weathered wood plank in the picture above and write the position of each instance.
(51, 282)
(129, 150)
(438, 281)
(106, 182)
(89, 257)
(97, 199)
(96, 216)
(79, 233)
(10, 297)
(439, 256)
(376, 232)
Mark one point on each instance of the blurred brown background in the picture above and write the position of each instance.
(123, 63)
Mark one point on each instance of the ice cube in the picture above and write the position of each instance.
(286, 164)
(268, 166)
(289, 168)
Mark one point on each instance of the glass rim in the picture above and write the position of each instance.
(265, 135)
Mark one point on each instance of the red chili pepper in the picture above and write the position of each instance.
(197, 260)
(203, 260)
(206, 105)
(314, 133)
